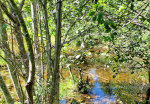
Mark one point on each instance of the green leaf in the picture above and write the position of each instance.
(148, 20)
(139, 70)
(114, 76)
(112, 36)
(100, 8)
(132, 6)
(91, 13)
(113, 25)
(107, 38)
(96, 1)
(108, 29)
(100, 18)
(4, 26)
(94, 18)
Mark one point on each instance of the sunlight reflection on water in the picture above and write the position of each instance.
(107, 90)
(100, 95)
(62, 101)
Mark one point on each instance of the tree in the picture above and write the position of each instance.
(12, 65)
(55, 77)
(122, 25)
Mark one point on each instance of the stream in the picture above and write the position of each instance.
(98, 92)
(105, 90)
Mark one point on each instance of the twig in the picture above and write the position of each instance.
(136, 15)
(76, 19)
(138, 24)
(4, 8)
(21, 4)
(79, 35)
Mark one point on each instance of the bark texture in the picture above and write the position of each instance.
(30, 81)
(5, 91)
(48, 46)
(18, 36)
(48, 38)
(9, 58)
(35, 39)
(56, 78)
(22, 51)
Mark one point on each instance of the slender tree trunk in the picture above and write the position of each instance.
(19, 38)
(5, 91)
(30, 81)
(42, 45)
(10, 61)
(71, 74)
(55, 78)
(48, 46)
(42, 49)
(48, 43)
(22, 51)
(35, 38)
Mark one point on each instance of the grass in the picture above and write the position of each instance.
(66, 88)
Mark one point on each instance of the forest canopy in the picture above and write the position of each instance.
(40, 38)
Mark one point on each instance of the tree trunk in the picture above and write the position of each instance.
(5, 91)
(42, 45)
(48, 43)
(30, 81)
(22, 51)
(55, 78)
(19, 38)
(48, 46)
(35, 39)
(10, 61)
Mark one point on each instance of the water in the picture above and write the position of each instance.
(105, 90)
(62, 101)
(103, 93)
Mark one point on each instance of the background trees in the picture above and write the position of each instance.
(122, 25)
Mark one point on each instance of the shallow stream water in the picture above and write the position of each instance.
(107, 90)
(98, 92)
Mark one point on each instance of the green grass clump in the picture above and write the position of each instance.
(66, 88)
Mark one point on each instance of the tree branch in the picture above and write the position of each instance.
(72, 25)
(79, 35)
(9, 15)
(140, 25)
(136, 15)
(21, 4)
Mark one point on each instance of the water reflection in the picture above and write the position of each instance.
(102, 91)
(107, 88)
(107, 92)
(101, 96)
(62, 101)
